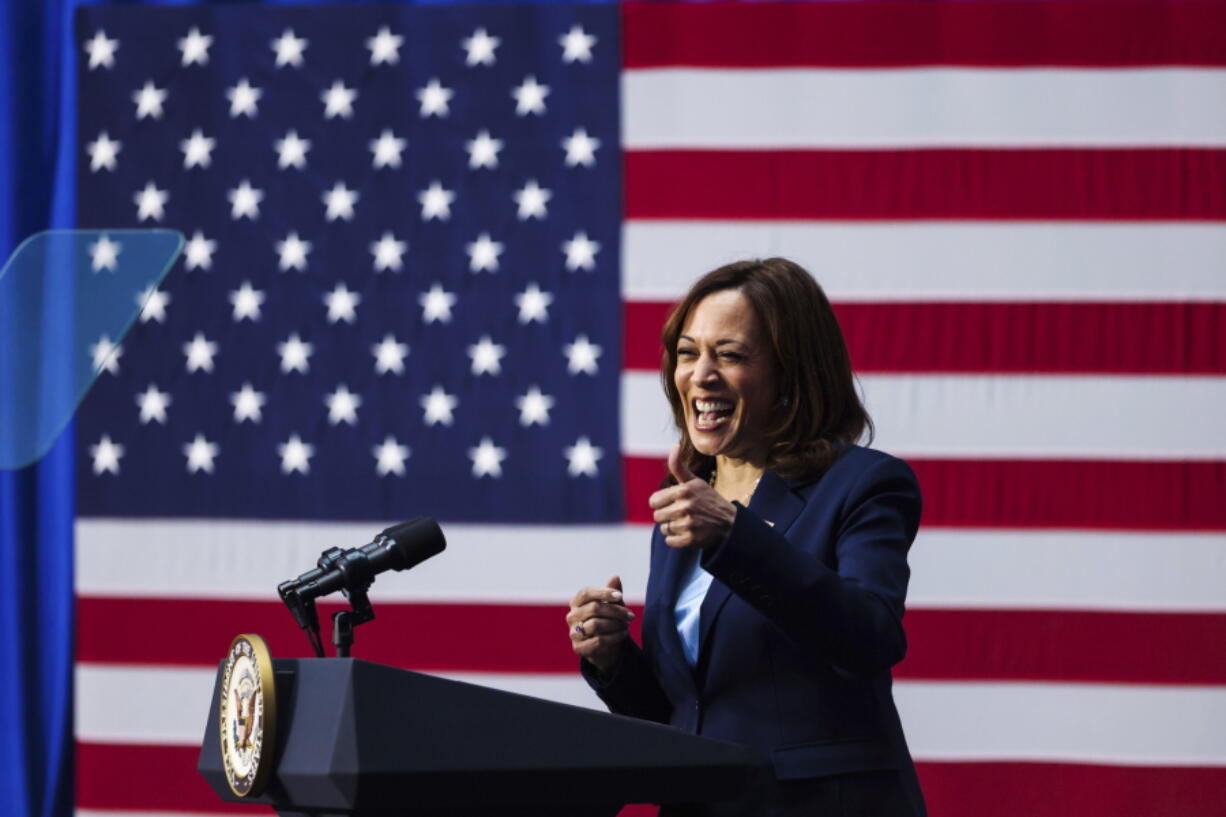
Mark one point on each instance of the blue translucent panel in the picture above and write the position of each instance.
(67, 298)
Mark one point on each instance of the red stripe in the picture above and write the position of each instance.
(1064, 338)
(164, 778)
(1018, 789)
(898, 34)
(147, 778)
(1064, 645)
(466, 637)
(1115, 495)
(1028, 645)
(1049, 184)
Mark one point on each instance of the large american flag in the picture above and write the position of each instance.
(430, 249)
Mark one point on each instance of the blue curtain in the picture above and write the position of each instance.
(36, 503)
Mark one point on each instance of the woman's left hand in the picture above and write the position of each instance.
(690, 513)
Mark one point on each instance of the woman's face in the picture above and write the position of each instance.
(726, 377)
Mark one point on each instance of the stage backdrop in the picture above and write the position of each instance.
(430, 250)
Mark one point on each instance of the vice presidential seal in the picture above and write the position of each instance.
(248, 709)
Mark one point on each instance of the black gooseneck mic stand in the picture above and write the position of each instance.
(352, 572)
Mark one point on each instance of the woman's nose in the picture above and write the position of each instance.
(704, 369)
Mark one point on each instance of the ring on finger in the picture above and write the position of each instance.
(668, 528)
(579, 629)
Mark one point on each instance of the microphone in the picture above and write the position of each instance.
(399, 547)
(352, 571)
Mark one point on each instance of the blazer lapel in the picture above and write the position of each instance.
(673, 567)
(775, 502)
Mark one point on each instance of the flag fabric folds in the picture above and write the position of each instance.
(430, 251)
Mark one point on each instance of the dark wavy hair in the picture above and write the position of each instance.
(819, 411)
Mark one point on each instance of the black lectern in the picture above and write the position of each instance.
(363, 739)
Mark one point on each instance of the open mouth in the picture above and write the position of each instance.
(710, 414)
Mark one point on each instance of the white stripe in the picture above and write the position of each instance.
(1121, 571)
(1019, 417)
(889, 108)
(1079, 723)
(941, 260)
(150, 558)
(247, 559)
(1019, 721)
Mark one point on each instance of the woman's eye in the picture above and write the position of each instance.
(733, 356)
(685, 353)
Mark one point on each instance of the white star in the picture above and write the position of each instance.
(387, 149)
(486, 356)
(487, 458)
(195, 47)
(533, 304)
(293, 252)
(103, 152)
(387, 252)
(580, 149)
(244, 99)
(197, 150)
(534, 407)
(480, 47)
(343, 406)
(390, 457)
(530, 97)
(532, 199)
(101, 52)
(483, 150)
(582, 456)
(200, 454)
(106, 455)
(436, 304)
(295, 354)
(247, 302)
(483, 253)
(149, 100)
(384, 47)
(245, 201)
(581, 356)
(576, 45)
(153, 304)
(342, 304)
(291, 151)
(580, 252)
(439, 406)
(434, 98)
(289, 48)
(339, 201)
(198, 252)
(153, 404)
(200, 353)
(104, 254)
(435, 202)
(389, 355)
(295, 455)
(150, 203)
(106, 355)
(248, 404)
(338, 101)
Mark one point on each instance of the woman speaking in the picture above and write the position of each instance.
(778, 561)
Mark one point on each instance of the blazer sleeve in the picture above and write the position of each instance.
(630, 688)
(849, 617)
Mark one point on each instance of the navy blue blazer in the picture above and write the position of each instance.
(798, 630)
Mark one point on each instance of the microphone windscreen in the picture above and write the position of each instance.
(415, 541)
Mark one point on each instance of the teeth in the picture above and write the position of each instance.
(711, 405)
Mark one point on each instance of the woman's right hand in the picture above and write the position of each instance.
(598, 622)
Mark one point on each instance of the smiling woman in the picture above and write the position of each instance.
(779, 561)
